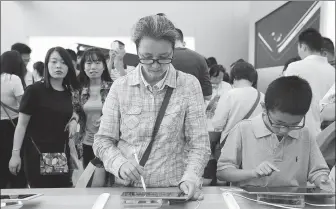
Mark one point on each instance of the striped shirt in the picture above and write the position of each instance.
(181, 148)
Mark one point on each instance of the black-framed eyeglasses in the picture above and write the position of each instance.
(296, 127)
(151, 61)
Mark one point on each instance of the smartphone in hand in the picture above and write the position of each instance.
(114, 46)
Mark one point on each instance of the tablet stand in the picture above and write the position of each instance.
(143, 203)
(17, 204)
(294, 201)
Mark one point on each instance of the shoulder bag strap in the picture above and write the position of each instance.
(8, 107)
(4, 106)
(246, 117)
(157, 123)
(253, 107)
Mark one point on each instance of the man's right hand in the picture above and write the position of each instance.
(112, 54)
(15, 163)
(265, 169)
(131, 171)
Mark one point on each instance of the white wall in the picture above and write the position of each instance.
(328, 19)
(259, 9)
(12, 25)
(220, 28)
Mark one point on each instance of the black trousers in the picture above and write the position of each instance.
(7, 179)
(32, 166)
(88, 155)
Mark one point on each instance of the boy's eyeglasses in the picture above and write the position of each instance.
(151, 61)
(296, 127)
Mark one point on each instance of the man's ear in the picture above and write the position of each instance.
(324, 54)
(305, 47)
(184, 43)
(262, 104)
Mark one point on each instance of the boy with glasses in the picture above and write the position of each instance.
(274, 148)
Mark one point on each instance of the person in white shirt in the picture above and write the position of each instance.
(116, 64)
(326, 141)
(328, 50)
(327, 105)
(219, 88)
(233, 107)
(25, 52)
(316, 70)
(11, 93)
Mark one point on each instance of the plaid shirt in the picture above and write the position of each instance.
(181, 148)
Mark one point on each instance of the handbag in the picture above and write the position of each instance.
(53, 163)
(50, 163)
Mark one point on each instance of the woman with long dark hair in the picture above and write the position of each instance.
(12, 84)
(45, 112)
(88, 102)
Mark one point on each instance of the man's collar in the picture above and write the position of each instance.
(316, 57)
(169, 79)
(260, 130)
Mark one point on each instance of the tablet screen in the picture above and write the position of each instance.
(20, 196)
(165, 195)
(287, 190)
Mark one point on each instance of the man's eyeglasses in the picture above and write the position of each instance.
(295, 127)
(151, 61)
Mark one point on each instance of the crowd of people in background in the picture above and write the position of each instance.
(191, 120)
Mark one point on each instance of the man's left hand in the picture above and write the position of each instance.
(189, 188)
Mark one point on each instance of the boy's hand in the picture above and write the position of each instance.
(265, 169)
(325, 184)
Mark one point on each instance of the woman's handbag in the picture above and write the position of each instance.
(53, 163)
(50, 163)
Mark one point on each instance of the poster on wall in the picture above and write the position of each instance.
(276, 35)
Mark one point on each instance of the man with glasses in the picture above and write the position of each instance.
(180, 149)
(275, 149)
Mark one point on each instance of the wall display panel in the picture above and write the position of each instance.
(276, 35)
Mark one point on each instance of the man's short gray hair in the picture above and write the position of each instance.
(156, 27)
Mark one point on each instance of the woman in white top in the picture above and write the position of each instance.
(232, 108)
(327, 105)
(327, 108)
(12, 82)
(219, 88)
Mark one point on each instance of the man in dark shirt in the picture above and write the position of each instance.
(192, 63)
